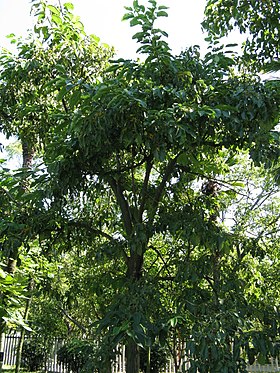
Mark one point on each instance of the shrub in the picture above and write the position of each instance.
(77, 356)
(158, 359)
(34, 354)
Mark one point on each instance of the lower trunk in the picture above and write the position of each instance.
(134, 271)
(133, 357)
(135, 264)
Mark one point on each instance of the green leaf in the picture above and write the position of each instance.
(61, 93)
(238, 184)
(262, 359)
(56, 19)
(173, 322)
(10, 36)
(68, 6)
(127, 16)
(231, 45)
(53, 9)
(183, 159)
(135, 22)
(162, 14)
(137, 318)
(138, 35)
(74, 99)
(3, 274)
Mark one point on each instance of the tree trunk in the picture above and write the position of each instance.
(27, 155)
(135, 264)
(133, 357)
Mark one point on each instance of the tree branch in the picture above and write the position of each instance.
(165, 264)
(80, 326)
(120, 170)
(123, 204)
(11, 197)
(159, 191)
(84, 224)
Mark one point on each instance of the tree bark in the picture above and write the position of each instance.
(133, 357)
(135, 265)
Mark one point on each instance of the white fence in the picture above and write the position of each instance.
(118, 366)
(10, 352)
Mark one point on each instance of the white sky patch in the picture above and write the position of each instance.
(103, 18)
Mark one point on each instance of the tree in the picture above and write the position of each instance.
(24, 109)
(14, 288)
(125, 148)
(258, 20)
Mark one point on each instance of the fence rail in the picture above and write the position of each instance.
(118, 366)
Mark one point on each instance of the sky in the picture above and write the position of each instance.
(103, 18)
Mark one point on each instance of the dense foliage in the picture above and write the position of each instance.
(258, 20)
(77, 356)
(34, 354)
(140, 165)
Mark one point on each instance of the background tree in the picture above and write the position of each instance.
(258, 20)
(24, 111)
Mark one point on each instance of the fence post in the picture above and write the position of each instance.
(2, 341)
